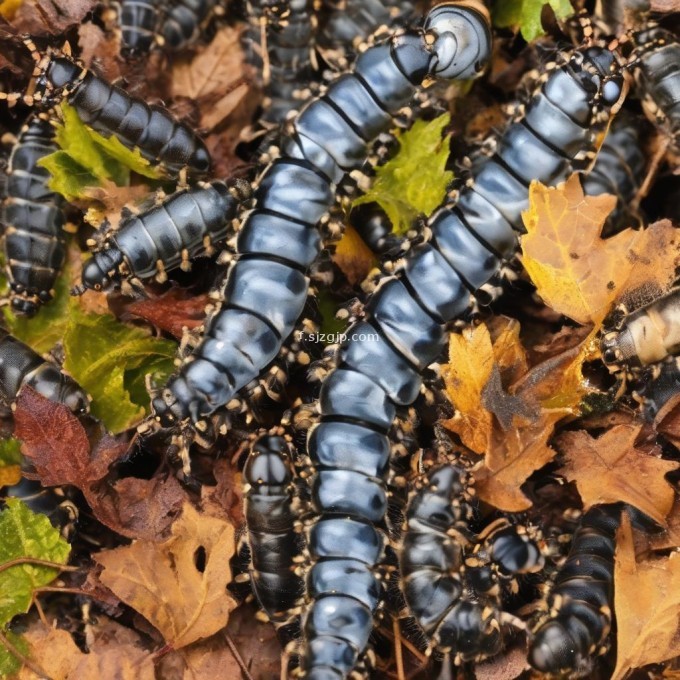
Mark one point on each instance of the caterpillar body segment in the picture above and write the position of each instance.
(581, 599)
(167, 236)
(266, 287)
(657, 72)
(164, 141)
(34, 238)
(645, 336)
(20, 366)
(406, 317)
(271, 515)
(182, 22)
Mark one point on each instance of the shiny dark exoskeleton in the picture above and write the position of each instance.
(645, 336)
(453, 581)
(20, 366)
(138, 21)
(167, 236)
(164, 141)
(657, 73)
(380, 365)
(266, 287)
(582, 597)
(270, 519)
(182, 22)
(619, 170)
(288, 29)
(32, 215)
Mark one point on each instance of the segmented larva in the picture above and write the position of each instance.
(170, 145)
(406, 316)
(167, 236)
(581, 599)
(266, 287)
(271, 515)
(34, 238)
(20, 366)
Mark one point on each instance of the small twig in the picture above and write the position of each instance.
(24, 659)
(237, 656)
(398, 656)
(41, 613)
(39, 563)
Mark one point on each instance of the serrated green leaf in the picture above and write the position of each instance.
(414, 182)
(69, 178)
(9, 664)
(87, 158)
(526, 14)
(109, 359)
(43, 331)
(24, 533)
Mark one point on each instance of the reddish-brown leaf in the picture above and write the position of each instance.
(46, 17)
(173, 311)
(615, 467)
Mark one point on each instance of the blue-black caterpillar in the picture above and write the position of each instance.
(285, 33)
(266, 287)
(182, 21)
(138, 21)
(271, 515)
(657, 72)
(171, 145)
(619, 170)
(453, 581)
(580, 600)
(34, 239)
(645, 336)
(20, 366)
(408, 314)
(168, 235)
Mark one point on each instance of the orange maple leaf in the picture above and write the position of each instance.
(614, 468)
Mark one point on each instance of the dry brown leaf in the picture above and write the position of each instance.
(102, 48)
(575, 271)
(667, 420)
(670, 538)
(214, 78)
(114, 653)
(47, 17)
(613, 468)
(179, 586)
(647, 603)
(471, 362)
(354, 258)
(665, 5)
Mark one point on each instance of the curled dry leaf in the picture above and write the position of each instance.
(102, 48)
(353, 256)
(173, 311)
(615, 467)
(506, 411)
(576, 272)
(179, 586)
(47, 17)
(647, 600)
(214, 78)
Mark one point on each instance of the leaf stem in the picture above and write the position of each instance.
(4, 640)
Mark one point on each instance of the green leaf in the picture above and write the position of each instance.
(9, 664)
(24, 533)
(10, 462)
(414, 182)
(87, 158)
(328, 307)
(526, 14)
(109, 360)
(43, 331)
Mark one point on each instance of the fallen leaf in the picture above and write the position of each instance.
(415, 181)
(647, 601)
(173, 311)
(65, 459)
(214, 78)
(615, 468)
(114, 652)
(102, 48)
(667, 420)
(670, 538)
(226, 499)
(10, 462)
(471, 362)
(353, 256)
(526, 15)
(179, 586)
(42, 17)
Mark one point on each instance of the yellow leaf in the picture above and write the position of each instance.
(180, 585)
(471, 360)
(615, 468)
(647, 602)
(353, 256)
